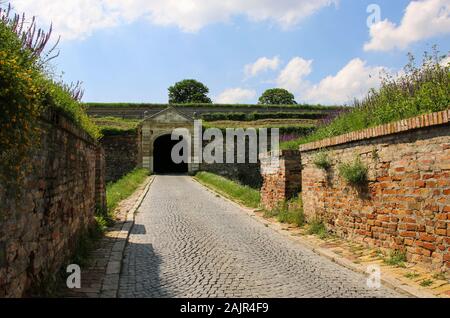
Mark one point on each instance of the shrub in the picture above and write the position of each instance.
(322, 161)
(355, 173)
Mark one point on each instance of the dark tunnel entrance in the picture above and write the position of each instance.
(162, 157)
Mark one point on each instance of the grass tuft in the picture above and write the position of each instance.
(317, 227)
(290, 212)
(426, 283)
(413, 275)
(322, 161)
(396, 258)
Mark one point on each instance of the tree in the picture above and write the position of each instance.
(189, 91)
(277, 96)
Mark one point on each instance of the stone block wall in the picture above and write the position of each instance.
(123, 153)
(100, 180)
(280, 183)
(244, 173)
(41, 221)
(247, 173)
(406, 202)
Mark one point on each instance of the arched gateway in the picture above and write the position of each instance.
(157, 144)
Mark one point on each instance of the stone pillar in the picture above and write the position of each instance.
(282, 182)
(147, 161)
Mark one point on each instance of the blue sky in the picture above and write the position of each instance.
(326, 53)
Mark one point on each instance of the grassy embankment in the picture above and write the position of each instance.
(231, 189)
(115, 126)
(422, 89)
(290, 212)
(123, 188)
(297, 107)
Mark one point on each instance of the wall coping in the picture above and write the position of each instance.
(279, 153)
(422, 121)
(61, 121)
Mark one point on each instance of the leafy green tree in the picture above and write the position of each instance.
(189, 91)
(277, 96)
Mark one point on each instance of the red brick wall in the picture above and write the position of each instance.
(406, 204)
(283, 183)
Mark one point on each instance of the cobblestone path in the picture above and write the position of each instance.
(189, 243)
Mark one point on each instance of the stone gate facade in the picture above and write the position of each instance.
(164, 123)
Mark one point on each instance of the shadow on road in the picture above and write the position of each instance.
(141, 277)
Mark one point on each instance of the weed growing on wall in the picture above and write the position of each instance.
(354, 173)
(322, 160)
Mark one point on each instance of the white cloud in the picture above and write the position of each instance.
(292, 76)
(353, 81)
(235, 96)
(261, 65)
(71, 18)
(75, 19)
(422, 20)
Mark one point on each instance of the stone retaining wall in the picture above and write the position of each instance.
(123, 153)
(41, 222)
(140, 112)
(406, 202)
(280, 183)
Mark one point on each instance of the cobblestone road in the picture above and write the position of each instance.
(189, 243)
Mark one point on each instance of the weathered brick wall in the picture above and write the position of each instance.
(123, 153)
(40, 222)
(406, 204)
(246, 173)
(282, 183)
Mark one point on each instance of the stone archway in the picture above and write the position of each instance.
(162, 159)
(163, 124)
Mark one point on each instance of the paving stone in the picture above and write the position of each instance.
(187, 242)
